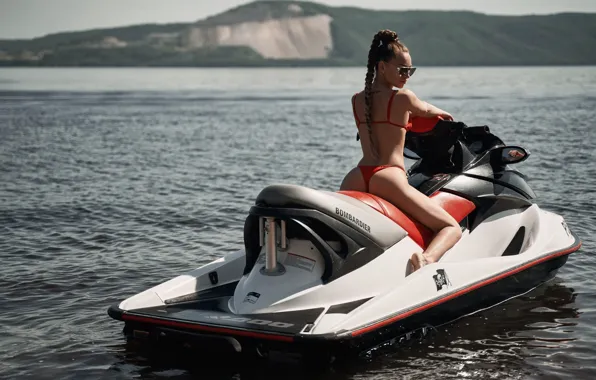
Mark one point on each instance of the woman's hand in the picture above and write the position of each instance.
(445, 115)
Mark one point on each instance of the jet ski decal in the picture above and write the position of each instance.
(566, 228)
(259, 322)
(441, 279)
(252, 297)
(441, 177)
(346, 215)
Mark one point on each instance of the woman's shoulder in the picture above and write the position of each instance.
(404, 92)
(357, 95)
(405, 95)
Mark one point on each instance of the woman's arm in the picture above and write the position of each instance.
(423, 109)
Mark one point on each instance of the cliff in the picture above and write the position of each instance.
(287, 38)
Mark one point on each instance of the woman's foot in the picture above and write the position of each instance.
(418, 261)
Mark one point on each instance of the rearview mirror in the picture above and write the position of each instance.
(510, 154)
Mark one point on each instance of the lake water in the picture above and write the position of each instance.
(113, 180)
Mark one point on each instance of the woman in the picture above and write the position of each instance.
(381, 114)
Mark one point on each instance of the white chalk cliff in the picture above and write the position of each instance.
(293, 37)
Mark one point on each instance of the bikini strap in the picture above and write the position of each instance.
(389, 106)
(354, 108)
(355, 115)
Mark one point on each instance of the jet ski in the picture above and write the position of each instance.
(329, 271)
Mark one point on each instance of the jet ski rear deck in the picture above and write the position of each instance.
(208, 320)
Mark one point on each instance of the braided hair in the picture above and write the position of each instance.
(383, 48)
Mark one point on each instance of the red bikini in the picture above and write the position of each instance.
(388, 121)
(369, 170)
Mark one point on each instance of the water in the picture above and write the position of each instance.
(113, 180)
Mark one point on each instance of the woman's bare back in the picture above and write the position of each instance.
(388, 121)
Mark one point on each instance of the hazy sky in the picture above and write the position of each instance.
(33, 18)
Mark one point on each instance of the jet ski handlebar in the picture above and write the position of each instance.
(438, 142)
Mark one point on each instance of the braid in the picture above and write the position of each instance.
(374, 55)
(370, 68)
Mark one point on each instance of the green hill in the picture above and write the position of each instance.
(435, 38)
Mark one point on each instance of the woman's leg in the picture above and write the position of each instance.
(391, 184)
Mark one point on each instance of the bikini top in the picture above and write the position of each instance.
(415, 124)
(407, 127)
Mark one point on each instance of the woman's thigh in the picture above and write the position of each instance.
(392, 185)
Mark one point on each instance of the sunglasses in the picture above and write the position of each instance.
(404, 70)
